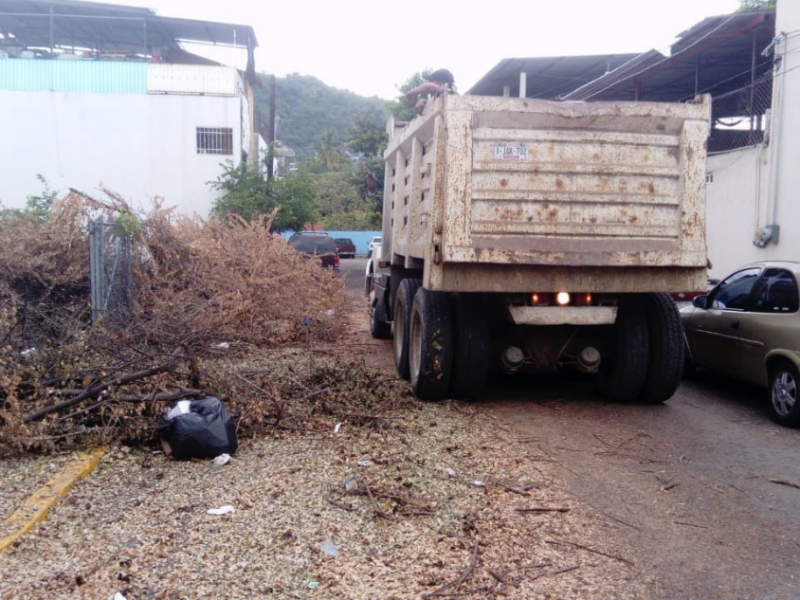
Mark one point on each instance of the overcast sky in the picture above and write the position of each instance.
(371, 47)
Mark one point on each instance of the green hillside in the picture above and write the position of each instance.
(305, 107)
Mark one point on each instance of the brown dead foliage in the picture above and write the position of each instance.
(215, 305)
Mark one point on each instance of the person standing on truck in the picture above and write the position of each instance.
(436, 83)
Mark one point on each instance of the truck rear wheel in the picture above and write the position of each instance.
(430, 345)
(470, 347)
(379, 328)
(667, 354)
(401, 323)
(625, 369)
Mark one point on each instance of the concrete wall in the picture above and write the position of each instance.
(735, 197)
(139, 145)
(785, 143)
(759, 187)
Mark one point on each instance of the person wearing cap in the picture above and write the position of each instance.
(437, 82)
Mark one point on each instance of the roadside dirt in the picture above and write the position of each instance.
(538, 491)
(702, 493)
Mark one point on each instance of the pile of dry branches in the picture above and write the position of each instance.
(205, 295)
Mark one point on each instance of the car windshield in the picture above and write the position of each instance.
(317, 244)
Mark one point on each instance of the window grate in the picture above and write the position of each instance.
(214, 140)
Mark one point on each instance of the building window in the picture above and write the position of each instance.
(214, 140)
(709, 177)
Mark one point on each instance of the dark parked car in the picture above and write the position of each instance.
(748, 327)
(346, 247)
(298, 234)
(320, 246)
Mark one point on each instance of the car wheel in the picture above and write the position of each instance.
(667, 354)
(401, 323)
(783, 389)
(430, 345)
(470, 347)
(624, 367)
(378, 327)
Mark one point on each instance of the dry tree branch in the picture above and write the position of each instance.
(97, 389)
(461, 578)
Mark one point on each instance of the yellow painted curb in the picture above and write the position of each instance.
(39, 504)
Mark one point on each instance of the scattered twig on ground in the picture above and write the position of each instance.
(554, 572)
(593, 550)
(461, 578)
(783, 482)
(690, 524)
(542, 510)
(375, 506)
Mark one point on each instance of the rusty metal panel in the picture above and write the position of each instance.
(529, 182)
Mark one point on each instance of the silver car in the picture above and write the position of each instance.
(748, 327)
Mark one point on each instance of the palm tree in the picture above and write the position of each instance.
(329, 149)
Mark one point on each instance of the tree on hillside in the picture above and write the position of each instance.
(306, 107)
(335, 192)
(329, 150)
(248, 194)
(367, 136)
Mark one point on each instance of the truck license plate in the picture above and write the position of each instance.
(510, 151)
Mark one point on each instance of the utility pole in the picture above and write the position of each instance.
(271, 140)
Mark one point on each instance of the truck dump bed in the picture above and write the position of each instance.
(511, 194)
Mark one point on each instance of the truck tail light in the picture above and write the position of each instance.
(336, 261)
(582, 300)
(540, 299)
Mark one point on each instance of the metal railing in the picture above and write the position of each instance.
(109, 268)
(740, 117)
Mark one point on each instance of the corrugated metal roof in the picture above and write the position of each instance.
(548, 77)
(88, 24)
(715, 56)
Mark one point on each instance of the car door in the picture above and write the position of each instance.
(713, 332)
(769, 323)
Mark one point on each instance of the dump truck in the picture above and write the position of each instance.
(525, 235)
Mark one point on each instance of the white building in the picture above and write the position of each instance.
(97, 94)
(753, 202)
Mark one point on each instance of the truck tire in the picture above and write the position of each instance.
(625, 369)
(430, 345)
(667, 352)
(470, 347)
(378, 327)
(402, 322)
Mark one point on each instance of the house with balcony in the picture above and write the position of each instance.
(104, 95)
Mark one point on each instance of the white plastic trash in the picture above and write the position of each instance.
(222, 510)
(328, 548)
(181, 408)
(222, 459)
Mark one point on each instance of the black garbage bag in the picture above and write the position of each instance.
(205, 432)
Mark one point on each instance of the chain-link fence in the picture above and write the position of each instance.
(740, 117)
(110, 268)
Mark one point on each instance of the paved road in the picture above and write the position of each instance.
(703, 490)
